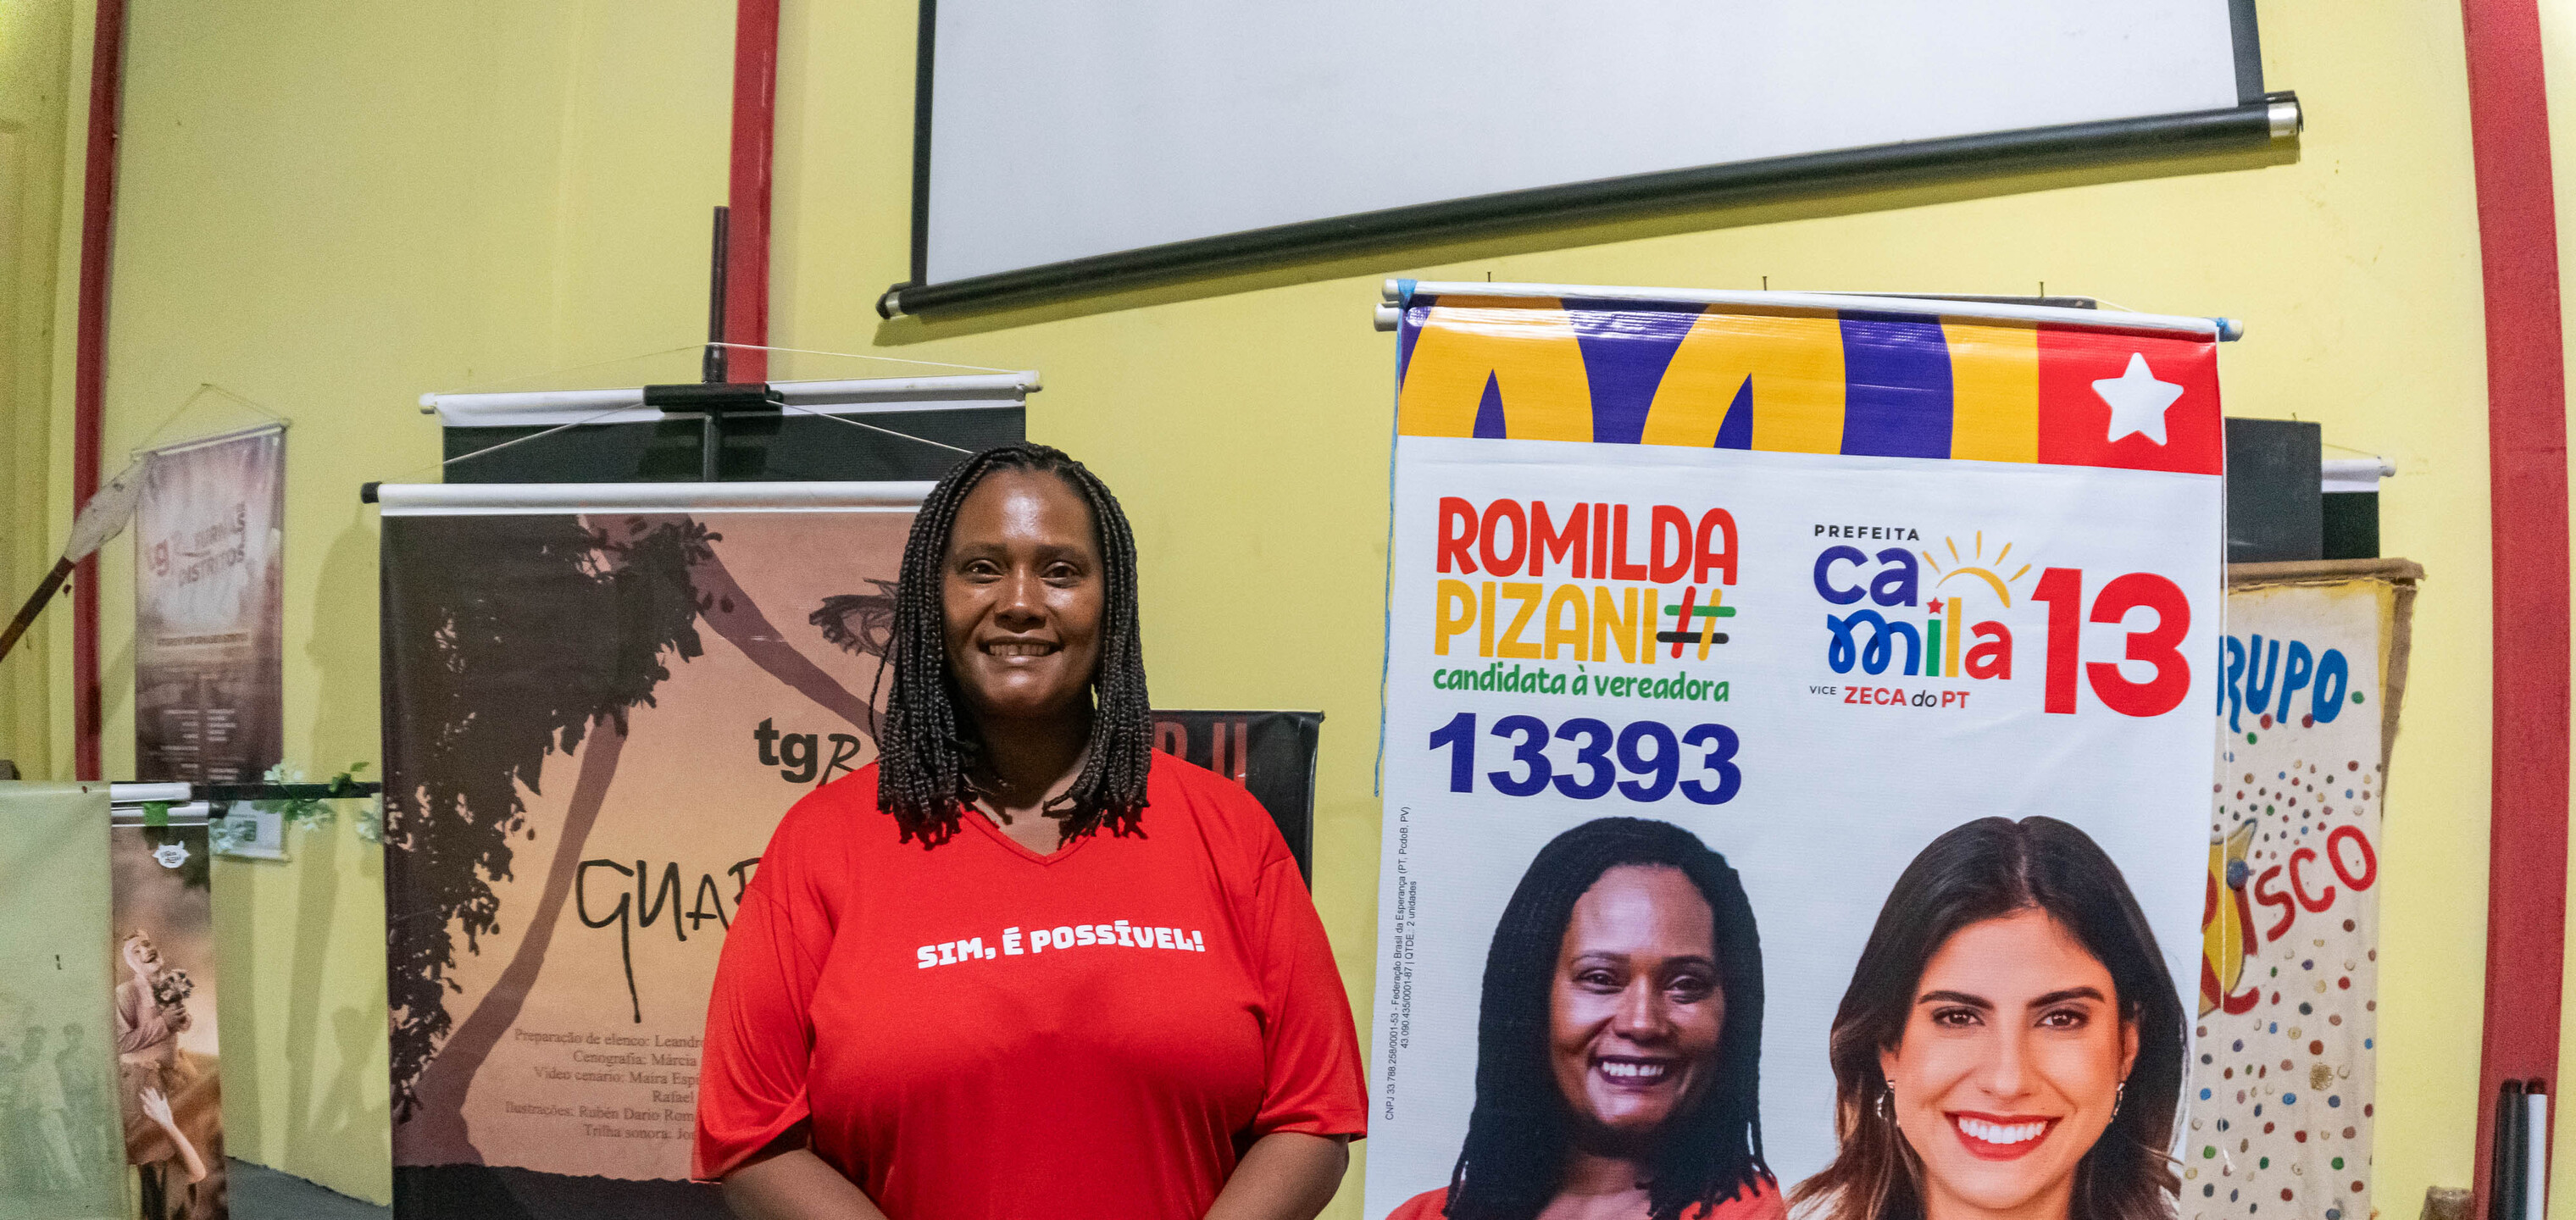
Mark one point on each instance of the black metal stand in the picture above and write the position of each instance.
(715, 403)
(714, 364)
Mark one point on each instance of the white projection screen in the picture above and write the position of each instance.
(1075, 145)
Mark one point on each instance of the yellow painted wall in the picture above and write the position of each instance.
(329, 208)
(2356, 269)
(325, 209)
(35, 55)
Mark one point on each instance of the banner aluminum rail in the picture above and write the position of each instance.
(502, 499)
(220, 795)
(1399, 293)
(641, 404)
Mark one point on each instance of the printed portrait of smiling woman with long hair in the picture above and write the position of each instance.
(2011, 1044)
(1618, 1047)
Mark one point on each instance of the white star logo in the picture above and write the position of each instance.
(2137, 400)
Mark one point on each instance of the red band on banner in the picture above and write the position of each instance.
(2131, 401)
(89, 366)
(2527, 475)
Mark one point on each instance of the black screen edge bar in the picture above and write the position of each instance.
(2158, 137)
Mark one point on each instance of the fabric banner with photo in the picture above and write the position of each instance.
(169, 1090)
(594, 719)
(208, 607)
(2283, 1090)
(60, 1154)
(1806, 588)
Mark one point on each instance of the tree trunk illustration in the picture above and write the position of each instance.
(731, 611)
(507, 639)
(510, 686)
(438, 1125)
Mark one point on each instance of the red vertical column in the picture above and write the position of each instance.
(89, 365)
(755, 126)
(2527, 476)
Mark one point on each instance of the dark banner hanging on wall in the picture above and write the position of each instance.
(1270, 753)
(209, 610)
(595, 715)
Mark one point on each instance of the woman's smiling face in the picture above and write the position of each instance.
(1635, 1010)
(1024, 595)
(2009, 1067)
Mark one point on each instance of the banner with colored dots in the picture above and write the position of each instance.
(1813, 582)
(2283, 1077)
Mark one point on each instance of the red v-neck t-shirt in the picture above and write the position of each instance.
(980, 1032)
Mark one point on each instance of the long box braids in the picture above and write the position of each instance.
(927, 749)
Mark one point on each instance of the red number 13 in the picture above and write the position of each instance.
(2063, 590)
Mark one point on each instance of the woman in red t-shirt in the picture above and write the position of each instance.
(949, 994)
(1620, 1041)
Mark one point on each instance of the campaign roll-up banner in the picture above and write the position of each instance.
(599, 700)
(209, 611)
(169, 1088)
(2311, 673)
(1711, 621)
(60, 1155)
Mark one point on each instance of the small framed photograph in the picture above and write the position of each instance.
(264, 838)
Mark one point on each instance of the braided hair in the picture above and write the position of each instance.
(926, 749)
(1521, 1127)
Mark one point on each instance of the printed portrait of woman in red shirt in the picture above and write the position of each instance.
(1619, 1044)
(1025, 965)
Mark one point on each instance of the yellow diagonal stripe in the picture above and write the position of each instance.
(1526, 347)
(1994, 391)
(1795, 362)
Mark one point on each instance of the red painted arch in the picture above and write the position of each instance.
(2527, 476)
(89, 364)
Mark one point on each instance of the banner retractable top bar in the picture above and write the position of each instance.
(489, 499)
(1400, 292)
(627, 404)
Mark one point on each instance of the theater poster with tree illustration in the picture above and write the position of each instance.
(594, 720)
